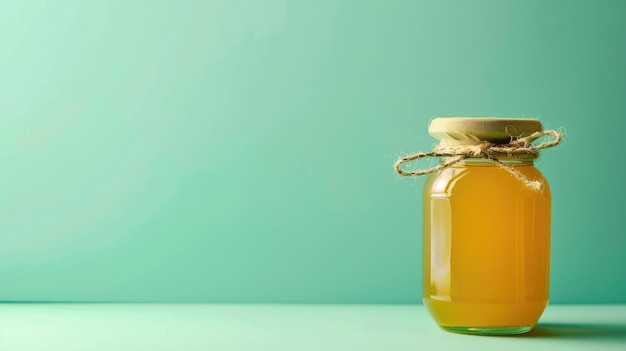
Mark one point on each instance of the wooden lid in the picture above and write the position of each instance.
(469, 130)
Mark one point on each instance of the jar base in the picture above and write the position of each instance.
(485, 318)
(489, 330)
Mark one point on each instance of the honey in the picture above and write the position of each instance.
(486, 246)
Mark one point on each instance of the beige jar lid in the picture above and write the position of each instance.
(497, 130)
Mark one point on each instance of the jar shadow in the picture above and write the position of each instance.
(606, 332)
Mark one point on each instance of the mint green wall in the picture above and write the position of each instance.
(242, 151)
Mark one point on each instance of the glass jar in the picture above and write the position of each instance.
(486, 236)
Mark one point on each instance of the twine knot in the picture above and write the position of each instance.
(517, 148)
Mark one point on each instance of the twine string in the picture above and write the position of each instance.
(486, 150)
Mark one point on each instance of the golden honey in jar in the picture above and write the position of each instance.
(486, 234)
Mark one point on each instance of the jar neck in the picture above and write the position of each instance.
(486, 162)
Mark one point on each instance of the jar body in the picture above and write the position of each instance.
(486, 248)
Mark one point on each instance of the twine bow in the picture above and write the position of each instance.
(520, 147)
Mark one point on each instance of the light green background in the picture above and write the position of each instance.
(242, 151)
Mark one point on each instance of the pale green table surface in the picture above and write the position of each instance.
(288, 327)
